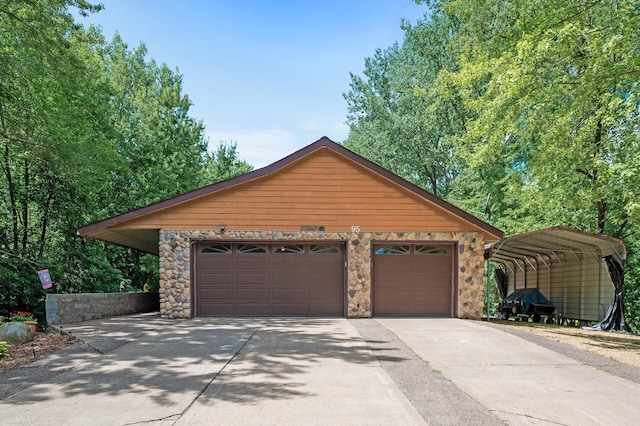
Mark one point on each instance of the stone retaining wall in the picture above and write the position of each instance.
(175, 265)
(77, 307)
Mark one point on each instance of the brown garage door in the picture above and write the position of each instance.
(413, 279)
(253, 279)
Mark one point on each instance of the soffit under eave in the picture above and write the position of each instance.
(145, 240)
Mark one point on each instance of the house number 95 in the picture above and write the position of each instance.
(356, 229)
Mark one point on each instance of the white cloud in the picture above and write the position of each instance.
(337, 129)
(259, 147)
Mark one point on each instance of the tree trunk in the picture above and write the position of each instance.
(10, 185)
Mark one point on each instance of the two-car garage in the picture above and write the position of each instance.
(308, 279)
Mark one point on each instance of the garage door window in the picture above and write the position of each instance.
(393, 250)
(431, 250)
(251, 249)
(318, 249)
(295, 249)
(218, 248)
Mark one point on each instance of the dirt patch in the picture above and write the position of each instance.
(621, 347)
(41, 346)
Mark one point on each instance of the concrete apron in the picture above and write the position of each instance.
(522, 383)
(220, 371)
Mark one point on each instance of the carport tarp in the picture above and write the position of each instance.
(501, 280)
(614, 319)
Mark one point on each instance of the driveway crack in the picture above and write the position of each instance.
(215, 376)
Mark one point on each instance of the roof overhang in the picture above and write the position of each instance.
(551, 243)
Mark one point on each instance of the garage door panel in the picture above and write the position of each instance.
(432, 267)
(393, 262)
(333, 281)
(288, 280)
(413, 280)
(216, 293)
(297, 294)
(218, 263)
(208, 279)
(251, 293)
(392, 279)
(253, 262)
(252, 309)
(321, 262)
(252, 279)
(431, 280)
(217, 309)
(327, 293)
(264, 280)
(279, 308)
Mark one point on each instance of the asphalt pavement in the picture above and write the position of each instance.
(309, 371)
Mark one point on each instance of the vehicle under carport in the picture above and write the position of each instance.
(581, 273)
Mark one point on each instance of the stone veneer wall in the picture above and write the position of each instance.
(175, 265)
(76, 307)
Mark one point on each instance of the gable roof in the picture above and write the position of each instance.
(114, 229)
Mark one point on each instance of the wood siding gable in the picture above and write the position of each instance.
(323, 184)
(323, 189)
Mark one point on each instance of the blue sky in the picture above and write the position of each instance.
(268, 75)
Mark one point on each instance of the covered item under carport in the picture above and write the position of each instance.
(568, 266)
(528, 302)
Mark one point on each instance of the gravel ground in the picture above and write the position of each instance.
(616, 353)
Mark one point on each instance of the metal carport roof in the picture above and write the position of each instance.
(549, 243)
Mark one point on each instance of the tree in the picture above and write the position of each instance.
(558, 105)
(552, 91)
(162, 145)
(53, 136)
(399, 117)
(223, 163)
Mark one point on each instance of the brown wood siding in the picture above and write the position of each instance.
(324, 189)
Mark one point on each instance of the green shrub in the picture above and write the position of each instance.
(4, 349)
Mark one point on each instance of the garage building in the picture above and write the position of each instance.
(322, 232)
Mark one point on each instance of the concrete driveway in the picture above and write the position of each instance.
(310, 371)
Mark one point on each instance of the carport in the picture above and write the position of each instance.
(580, 272)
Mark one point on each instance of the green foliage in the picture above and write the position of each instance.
(4, 348)
(398, 119)
(557, 104)
(223, 163)
(88, 129)
(22, 316)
